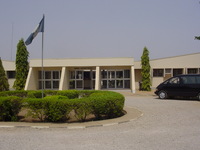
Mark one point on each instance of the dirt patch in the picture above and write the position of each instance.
(72, 119)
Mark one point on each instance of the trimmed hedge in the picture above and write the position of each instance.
(19, 93)
(51, 108)
(35, 94)
(9, 108)
(71, 94)
(59, 106)
(107, 104)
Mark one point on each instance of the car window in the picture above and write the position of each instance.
(198, 79)
(188, 80)
(184, 80)
(174, 80)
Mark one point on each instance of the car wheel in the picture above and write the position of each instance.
(162, 95)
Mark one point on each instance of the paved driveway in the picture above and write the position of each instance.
(165, 125)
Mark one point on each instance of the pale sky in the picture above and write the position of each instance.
(101, 28)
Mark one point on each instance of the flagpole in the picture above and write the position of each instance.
(39, 28)
(42, 64)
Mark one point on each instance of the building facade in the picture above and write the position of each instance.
(9, 67)
(164, 68)
(101, 73)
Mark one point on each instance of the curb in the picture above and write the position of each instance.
(132, 114)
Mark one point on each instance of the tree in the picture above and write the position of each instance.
(4, 86)
(146, 80)
(197, 37)
(22, 65)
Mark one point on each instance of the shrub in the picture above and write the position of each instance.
(56, 97)
(35, 94)
(51, 108)
(20, 93)
(35, 108)
(71, 94)
(107, 104)
(82, 108)
(50, 92)
(86, 93)
(9, 108)
(57, 110)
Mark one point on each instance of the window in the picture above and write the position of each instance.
(158, 72)
(47, 74)
(192, 71)
(51, 79)
(72, 84)
(198, 79)
(168, 71)
(104, 84)
(126, 73)
(189, 80)
(111, 83)
(11, 74)
(119, 83)
(56, 75)
(115, 79)
(111, 74)
(72, 74)
(93, 75)
(119, 74)
(79, 84)
(126, 83)
(104, 74)
(177, 72)
(175, 80)
(79, 75)
(76, 79)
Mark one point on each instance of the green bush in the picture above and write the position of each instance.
(57, 110)
(86, 93)
(82, 108)
(35, 107)
(107, 104)
(51, 108)
(9, 108)
(57, 97)
(35, 94)
(58, 106)
(20, 93)
(71, 94)
(50, 92)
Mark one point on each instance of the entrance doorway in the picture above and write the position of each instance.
(87, 80)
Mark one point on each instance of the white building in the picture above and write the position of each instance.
(102, 73)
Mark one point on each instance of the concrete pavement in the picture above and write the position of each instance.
(165, 124)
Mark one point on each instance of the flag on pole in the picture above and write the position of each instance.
(39, 28)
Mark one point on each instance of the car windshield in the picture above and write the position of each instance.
(174, 80)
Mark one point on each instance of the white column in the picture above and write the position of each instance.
(132, 79)
(31, 81)
(97, 80)
(64, 79)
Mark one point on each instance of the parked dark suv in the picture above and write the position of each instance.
(181, 85)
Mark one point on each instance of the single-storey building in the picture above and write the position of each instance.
(85, 73)
(101, 73)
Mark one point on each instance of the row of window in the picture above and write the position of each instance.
(161, 72)
(51, 79)
(109, 79)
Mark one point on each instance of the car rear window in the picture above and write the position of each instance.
(190, 79)
(198, 79)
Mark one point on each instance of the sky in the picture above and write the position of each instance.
(101, 28)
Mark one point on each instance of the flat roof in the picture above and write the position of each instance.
(78, 62)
